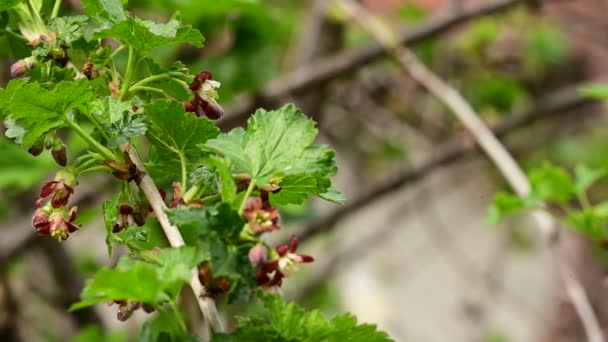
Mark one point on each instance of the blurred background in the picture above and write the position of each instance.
(411, 249)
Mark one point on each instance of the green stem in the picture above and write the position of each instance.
(117, 51)
(135, 89)
(92, 142)
(585, 203)
(211, 198)
(182, 159)
(126, 83)
(56, 8)
(40, 27)
(178, 317)
(247, 193)
(98, 168)
(161, 77)
(83, 166)
(98, 125)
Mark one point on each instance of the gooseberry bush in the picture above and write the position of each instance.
(144, 123)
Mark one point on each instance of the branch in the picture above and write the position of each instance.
(145, 182)
(491, 146)
(447, 154)
(319, 72)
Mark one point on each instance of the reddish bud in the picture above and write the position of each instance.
(35, 150)
(60, 155)
(126, 209)
(258, 255)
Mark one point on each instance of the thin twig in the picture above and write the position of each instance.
(145, 182)
(447, 154)
(322, 70)
(493, 148)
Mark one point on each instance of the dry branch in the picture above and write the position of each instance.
(316, 73)
(145, 182)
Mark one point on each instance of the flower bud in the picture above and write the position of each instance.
(22, 66)
(35, 150)
(60, 155)
(258, 255)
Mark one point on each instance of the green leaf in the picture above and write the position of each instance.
(69, 29)
(145, 36)
(588, 222)
(110, 214)
(118, 123)
(227, 186)
(277, 145)
(216, 231)
(141, 281)
(176, 134)
(105, 12)
(8, 4)
(551, 183)
(164, 327)
(597, 91)
(39, 110)
(503, 205)
(586, 176)
(281, 321)
(201, 222)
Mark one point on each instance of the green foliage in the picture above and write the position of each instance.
(216, 230)
(118, 123)
(278, 145)
(175, 134)
(552, 187)
(156, 282)
(38, 110)
(597, 91)
(282, 322)
(94, 334)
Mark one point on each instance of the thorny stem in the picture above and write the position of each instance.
(124, 90)
(146, 184)
(503, 160)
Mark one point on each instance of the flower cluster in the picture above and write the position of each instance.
(262, 218)
(205, 97)
(54, 218)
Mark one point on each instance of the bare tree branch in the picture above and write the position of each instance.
(145, 182)
(316, 73)
(447, 154)
(493, 148)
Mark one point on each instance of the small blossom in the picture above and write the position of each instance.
(272, 272)
(205, 97)
(61, 188)
(127, 307)
(258, 255)
(288, 260)
(261, 219)
(57, 223)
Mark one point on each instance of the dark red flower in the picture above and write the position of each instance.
(205, 97)
(57, 223)
(271, 273)
(59, 189)
(260, 219)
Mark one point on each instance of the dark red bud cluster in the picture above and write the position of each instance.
(50, 142)
(89, 71)
(127, 307)
(213, 285)
(129, 217)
